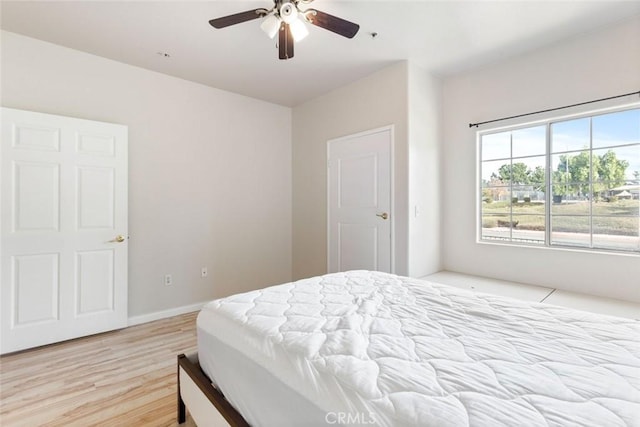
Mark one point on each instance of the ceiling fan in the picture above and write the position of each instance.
(286, 19)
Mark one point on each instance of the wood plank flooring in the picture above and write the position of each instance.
(119, 378)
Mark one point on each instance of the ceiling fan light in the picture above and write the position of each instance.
(270, 25)
(298, 30)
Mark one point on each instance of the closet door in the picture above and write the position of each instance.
(63, 230)
(359, 201)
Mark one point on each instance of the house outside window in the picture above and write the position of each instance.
(571, 182)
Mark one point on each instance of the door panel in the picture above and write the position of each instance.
(95, 281)
(63, 201)
(96, 187)
(359, 202)
(357, 244)
(35, 288)
(100, 145)
(357, 181)
(35, 137)
(36, 196)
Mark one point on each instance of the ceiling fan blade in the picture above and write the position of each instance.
(285, 42)
(237, 18)
(332, 23)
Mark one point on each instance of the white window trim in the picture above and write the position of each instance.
(546, 119)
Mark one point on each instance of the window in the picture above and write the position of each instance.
(567, 183)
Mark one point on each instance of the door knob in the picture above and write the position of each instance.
(119, 238)
(383, 215)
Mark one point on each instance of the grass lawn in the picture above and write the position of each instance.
(618, 218)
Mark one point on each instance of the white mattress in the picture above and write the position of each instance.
(261, 398)
(375, 348)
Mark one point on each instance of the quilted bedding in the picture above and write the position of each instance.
(390, 350)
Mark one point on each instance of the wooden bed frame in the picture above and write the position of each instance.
(206, 404)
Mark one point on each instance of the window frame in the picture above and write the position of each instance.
(548, 184)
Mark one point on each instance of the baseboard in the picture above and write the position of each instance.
(157, 315)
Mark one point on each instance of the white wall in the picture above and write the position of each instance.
(424, 93)
(375, 101)
(401, 95)
(210, 171)
(596, 65)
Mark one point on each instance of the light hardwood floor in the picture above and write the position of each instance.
(119, 378)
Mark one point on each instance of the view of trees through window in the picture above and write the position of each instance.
(564, 183)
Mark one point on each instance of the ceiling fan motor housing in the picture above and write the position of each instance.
(288, 11)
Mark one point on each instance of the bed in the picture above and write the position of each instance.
(369, 348)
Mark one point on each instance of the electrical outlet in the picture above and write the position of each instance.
(168, 280)
(204, 272)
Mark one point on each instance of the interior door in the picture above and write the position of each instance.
(63, 230)
(359, 202)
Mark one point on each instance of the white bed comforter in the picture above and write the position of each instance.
(392, 350)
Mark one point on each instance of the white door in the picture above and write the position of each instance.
(359, 202)
(63, 230)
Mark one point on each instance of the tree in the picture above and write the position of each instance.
(579, 167)
(580, 171)
(537, 178)
(518, 173)
(561, 177)
(574, 173)
(560, 181)
(611, 171)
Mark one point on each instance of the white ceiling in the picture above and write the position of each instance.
(443, 37)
